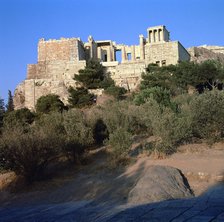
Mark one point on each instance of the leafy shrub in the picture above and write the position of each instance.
(2, 111)
(121, 114)
(49, 103)
(115, 91)
(80, 97)
(208, 115)
(120, 142)
(171, 127)
(160, 95)
(79, 134)
(28, 153)
(23, 116)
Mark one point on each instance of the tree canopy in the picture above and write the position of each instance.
(49, 103)
(206, 75)
(10, 104)
(2, 111)
(91, 76)
(80, 97)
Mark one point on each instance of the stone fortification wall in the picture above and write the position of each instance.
(128, 74)
(166, 53)
(183, 53)
(29, 91)
(63, 49)
(54, 69)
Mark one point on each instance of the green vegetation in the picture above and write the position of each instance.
(2, 111)
(23, 116)
(49, 103)
(162, 108)
(10, 105)
(80, 97)
(92, 77)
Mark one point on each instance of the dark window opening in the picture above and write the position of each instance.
(129, 56)
(163, 62)
(105, 58)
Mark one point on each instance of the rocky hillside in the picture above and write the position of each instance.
(200, 54)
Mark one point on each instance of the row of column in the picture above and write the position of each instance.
(156, 35)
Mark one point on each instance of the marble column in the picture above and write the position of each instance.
(133, 53)
(142, 49)
(123, 54)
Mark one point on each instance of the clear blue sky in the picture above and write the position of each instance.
(24, 22)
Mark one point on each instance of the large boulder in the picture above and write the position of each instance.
(159, 183)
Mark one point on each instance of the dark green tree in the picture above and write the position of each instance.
(91, 76)
(49, 103)
(116, 91)
(80, 97)
(156, 76)
(207, 75)
(2, 111)
(10, 104)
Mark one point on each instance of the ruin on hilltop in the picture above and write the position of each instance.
(59, 60)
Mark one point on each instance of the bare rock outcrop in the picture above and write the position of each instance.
(201, 54)
(160, 183)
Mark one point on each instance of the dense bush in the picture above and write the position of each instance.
(121, 114)
(173, 128)
(23, 116)
(80, 97)
(208, 115)
(160, 95)
(120, 141)
(177, 79)
(2, 111)
(28, 153)
(79, 135)
(49, 103)
(116, 91)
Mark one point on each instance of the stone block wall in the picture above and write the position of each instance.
(127, 75)
(183, 53)
(158, 52)
(63, 49)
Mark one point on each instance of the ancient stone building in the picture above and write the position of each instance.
(59, 60)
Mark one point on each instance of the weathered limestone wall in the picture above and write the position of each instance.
(183, 53)
(127, 75)
(63, 49)
(19, 96)
(29, 91)
(54, 69)
(167, 52)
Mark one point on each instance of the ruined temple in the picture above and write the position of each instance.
(59, 60)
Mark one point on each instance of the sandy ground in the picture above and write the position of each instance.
(202, 165)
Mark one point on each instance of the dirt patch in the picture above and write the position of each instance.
(202, 166)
